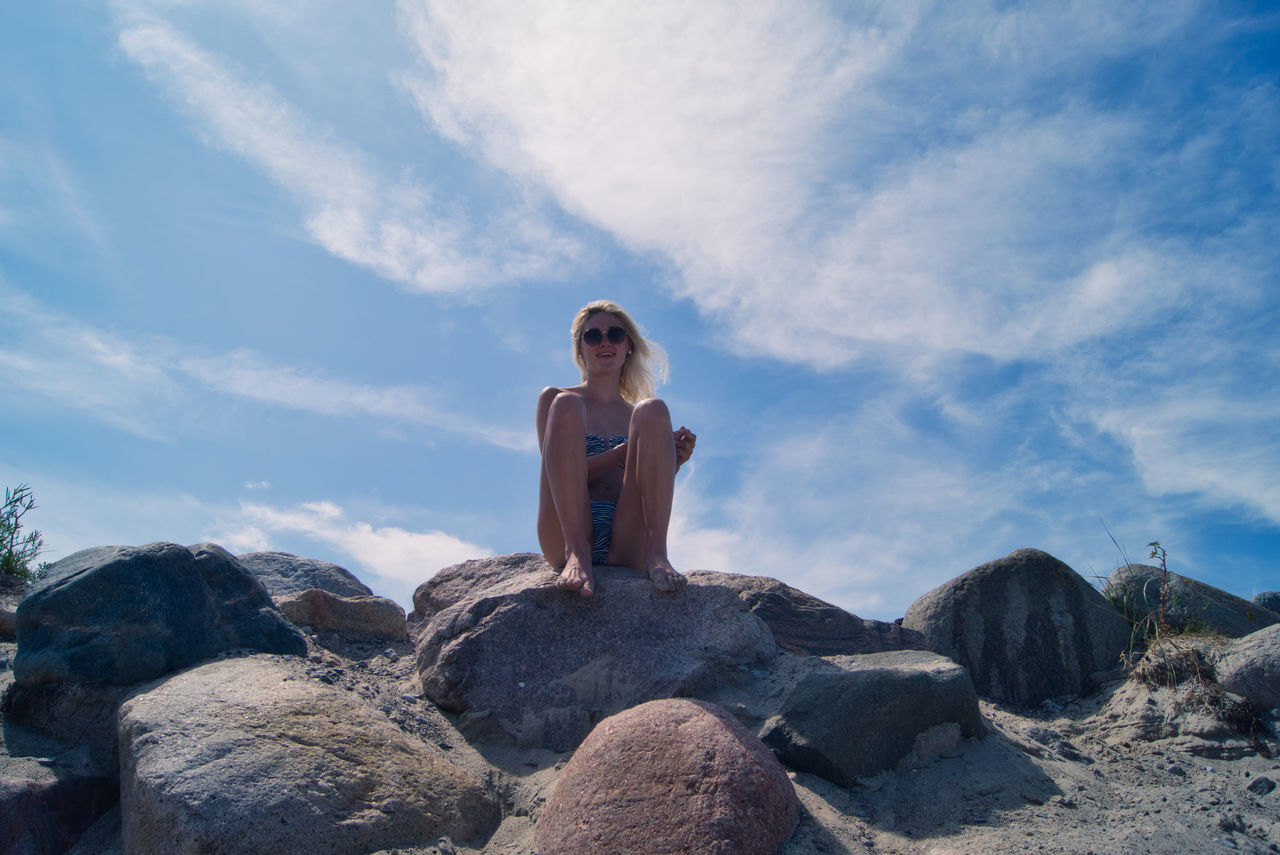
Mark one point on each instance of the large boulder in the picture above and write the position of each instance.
(249, 755)
(544, 665)
(1027, 627)
(1250, 667)
(802, 623)
(669, 776)
(364, 616)
(460, 581)
(123, 615)
(1269, 600)
(282, 573)
(1189, 605)
(856, 716)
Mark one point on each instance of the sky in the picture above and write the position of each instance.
(937, 281)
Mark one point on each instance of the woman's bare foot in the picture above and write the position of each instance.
(664, 577)
(576, 577)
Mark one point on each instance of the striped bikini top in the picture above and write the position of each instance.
(596, 443)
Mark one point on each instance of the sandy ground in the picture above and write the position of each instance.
(1062, 779)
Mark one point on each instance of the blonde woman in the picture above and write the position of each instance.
(609, 457)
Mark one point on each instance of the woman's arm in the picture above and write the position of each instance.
(598, 464)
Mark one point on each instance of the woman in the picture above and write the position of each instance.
(609, 457)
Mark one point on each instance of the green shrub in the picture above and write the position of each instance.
(18, 552)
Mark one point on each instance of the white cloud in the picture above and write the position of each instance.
(394, 227)
(400, 558)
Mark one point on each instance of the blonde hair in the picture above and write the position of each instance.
(642, 370)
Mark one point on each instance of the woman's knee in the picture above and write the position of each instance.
(651, 412)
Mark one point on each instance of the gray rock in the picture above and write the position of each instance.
(1250, 667)
(1027, 627)
(124, 615)
(669, 776)
(802, 623)
(544, 665)
(282, 573)
(857, 716)
(454, 584)
(250, 755)
(1189, 605)
(1261, 786)
(1269, 600)
(364, 616)
(49, 792)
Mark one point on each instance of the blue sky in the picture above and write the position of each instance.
(937, 280)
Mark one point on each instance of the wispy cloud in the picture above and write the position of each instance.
(140, 386)
(394, 227)
(764, 151)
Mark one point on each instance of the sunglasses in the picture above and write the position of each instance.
(593, 336)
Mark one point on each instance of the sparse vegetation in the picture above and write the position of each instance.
(18, 552)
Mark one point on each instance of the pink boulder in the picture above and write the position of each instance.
(669, 776)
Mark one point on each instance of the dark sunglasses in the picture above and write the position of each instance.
(593, 336)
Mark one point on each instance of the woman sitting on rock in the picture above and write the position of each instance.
(609, 457)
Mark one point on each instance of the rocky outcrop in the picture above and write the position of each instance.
(544, 667)
(282, 574)
(248, 755)
(669, 776)
(802, 623)
(122, 615)
(1269, 600)
(856, 716)
(365, 616)
(1189, 605)
(1027, 627)
(1250, 667)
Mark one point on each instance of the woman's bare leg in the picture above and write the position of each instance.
(564, 515)
(648, 487)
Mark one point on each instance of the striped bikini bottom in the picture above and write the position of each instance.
(601, 529)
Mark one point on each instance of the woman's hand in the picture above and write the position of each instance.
(685, 441)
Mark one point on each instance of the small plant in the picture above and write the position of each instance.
(17, 552)
(1157, 551)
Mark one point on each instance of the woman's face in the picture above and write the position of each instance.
(607, 351)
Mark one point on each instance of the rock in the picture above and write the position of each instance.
(454, 584)
(544, 665)
(123, 615)
(669, 776)
(804, 624)
(321, 610)
(1027, 627)
(1269, 600)
(282, 574)
(249, 755)
(1189, 605)
(49, 792)
(856, 716)
(1250, 667)
(1261, 786)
